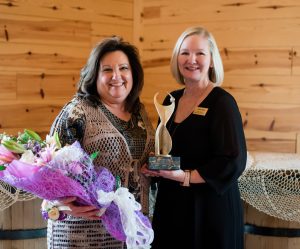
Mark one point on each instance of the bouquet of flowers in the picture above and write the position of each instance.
(51, 172)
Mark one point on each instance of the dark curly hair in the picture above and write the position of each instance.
(87, 86)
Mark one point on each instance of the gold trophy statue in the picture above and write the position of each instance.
(163, 141)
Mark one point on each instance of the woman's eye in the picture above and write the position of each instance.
(124, 68)
(201, 53)
(106, 70)
(184, 53)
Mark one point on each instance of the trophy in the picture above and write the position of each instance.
(163, 141)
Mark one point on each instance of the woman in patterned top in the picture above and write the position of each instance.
(106, 115)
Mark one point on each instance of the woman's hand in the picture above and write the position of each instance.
(176, 175)
(86, 212)
(147, 172)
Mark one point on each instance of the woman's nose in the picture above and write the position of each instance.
(116, 74)
(192, 58)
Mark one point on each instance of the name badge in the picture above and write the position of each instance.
(200, 111)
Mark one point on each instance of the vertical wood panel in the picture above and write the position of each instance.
(6, 224)
(43, 46)
(296, 60)
(103, 30)
(105, 11)
(8, 86)
(259, 44)
(44, 86)
(44, 31)
(192, 11)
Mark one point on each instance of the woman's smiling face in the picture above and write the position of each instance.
(194, 58)
(115, 80)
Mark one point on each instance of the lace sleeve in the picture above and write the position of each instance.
(70, 123)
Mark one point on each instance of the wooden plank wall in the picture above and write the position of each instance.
(43, 46)
(260, 45)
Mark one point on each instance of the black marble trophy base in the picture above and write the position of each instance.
(164, 163)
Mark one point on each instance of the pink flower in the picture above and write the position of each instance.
(21, 169)
(47, 154)
(6, 156)
(75, 168)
